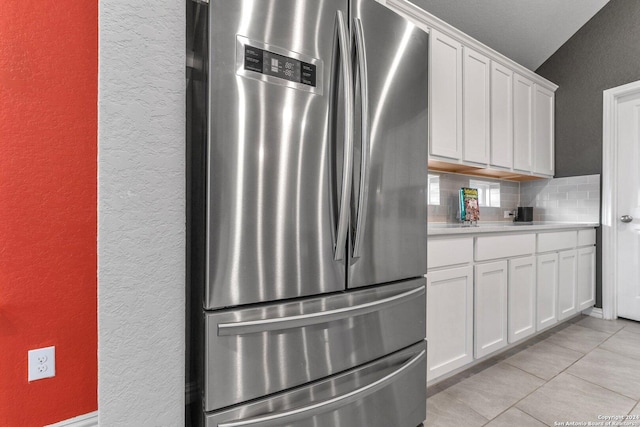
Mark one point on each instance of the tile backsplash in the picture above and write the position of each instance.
(575, 198)
(448, 209)
(571, 199)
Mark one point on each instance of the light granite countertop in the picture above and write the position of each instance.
(440, 229)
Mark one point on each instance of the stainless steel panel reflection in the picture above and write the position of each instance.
(393, 242)
(271, 219)
(255, 363)
(386, 393)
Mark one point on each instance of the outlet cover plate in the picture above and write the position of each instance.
(42, 363)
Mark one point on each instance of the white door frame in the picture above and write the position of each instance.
(609, 196)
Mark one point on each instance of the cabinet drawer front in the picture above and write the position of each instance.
(441, 253)
(557, 241)
(493, 247)
(587, 237)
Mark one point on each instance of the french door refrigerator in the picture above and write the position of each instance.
(311, 185)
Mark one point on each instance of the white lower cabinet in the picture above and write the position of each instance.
(487, 292)
(490, 308)
(449, 320)
(567, 283)
(547, 290)
(586, 277)
(522, 298)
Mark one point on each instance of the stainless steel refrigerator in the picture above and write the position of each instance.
(308, 208)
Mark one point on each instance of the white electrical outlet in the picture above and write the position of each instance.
(42, 363)
(507, 214)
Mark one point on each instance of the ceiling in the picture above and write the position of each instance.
(527, 31)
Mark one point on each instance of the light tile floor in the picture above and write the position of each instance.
(577, 373)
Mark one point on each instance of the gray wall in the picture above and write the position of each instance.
(604, 53)
(141, 213)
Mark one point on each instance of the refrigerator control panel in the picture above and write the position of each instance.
(275, 65)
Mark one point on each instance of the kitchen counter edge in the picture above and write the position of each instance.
(441, 229)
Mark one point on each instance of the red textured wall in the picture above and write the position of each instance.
(48, 138)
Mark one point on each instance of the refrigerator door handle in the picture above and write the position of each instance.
(361, 61)
(347, 167)
(298, 321)
(306, 412)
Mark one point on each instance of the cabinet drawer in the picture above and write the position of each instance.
(441, 253)
(557, 241)
(587, 237)
(493, 247)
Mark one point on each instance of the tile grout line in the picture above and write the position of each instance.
(460, 402)
(603, 349)
(556, 375)
(601, 386)
(533, 391)
(565, 370)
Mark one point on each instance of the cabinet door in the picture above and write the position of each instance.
(445, 88)
(567, 283)
(490, 296)
(522, 298)
(475, 107)
(501, 116)
(543, 105)
(547, 290)
(449, 320)
(522, 123)
(586, 277)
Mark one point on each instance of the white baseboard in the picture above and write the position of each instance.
(86, 420)
(594, 312)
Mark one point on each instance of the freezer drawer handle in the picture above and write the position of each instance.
(284, 418)
(279, 323)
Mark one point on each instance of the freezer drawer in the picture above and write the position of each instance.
(384, 393)
(257, 351)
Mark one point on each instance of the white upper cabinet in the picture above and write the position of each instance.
(475, 106)
(501, 116)
(522, 123)
(485, 110)
(445, 87)
(543, 104)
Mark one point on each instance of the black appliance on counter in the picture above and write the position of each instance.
(525, 214)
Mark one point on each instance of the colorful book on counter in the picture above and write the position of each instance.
(469, 205)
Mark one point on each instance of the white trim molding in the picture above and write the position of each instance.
(426, 21)
(609, 225)
(86, 420)
(593, 312)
